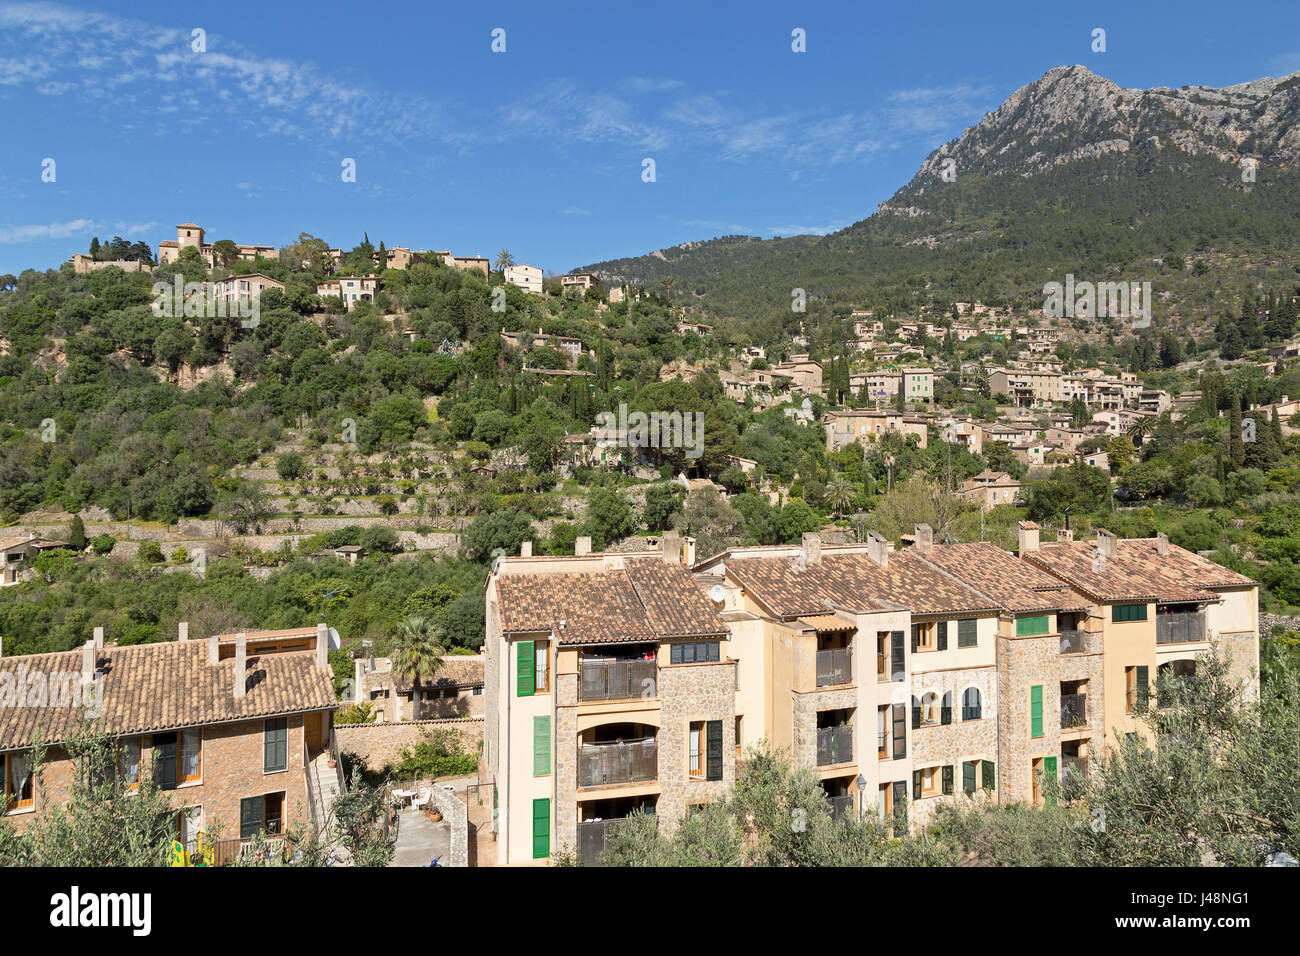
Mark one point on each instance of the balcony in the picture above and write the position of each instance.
(593, 840)
(834, 667)
(1179, 628)
(834, 745)
(841, 807)
(633, 761)
(1074, 711)
(617, 680)
(1074, 769)
(1073, 641)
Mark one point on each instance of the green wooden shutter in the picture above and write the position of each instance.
(1031, 626)
(989, 775)
(942, 642)
(915, 634)
(966, 633)
(896, 658)
(1049, 773)
(968, 776)
(900, 731)
(713, 750)
(900, 803)
(945, 709)
(525, 680)
(1036, 710)
(541, 829)
(916, 712)
(916, 785)
(250, 817)
(1142, 684)
(947, 778)
(541, 746)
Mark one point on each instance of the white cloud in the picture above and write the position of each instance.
(53, 230)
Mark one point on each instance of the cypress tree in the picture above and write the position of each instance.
(1236, 447)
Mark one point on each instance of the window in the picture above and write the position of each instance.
(191, 764)
(541, 746)
(541, 667)
(697, 652)
(882, 655)
(923, 637)
(925, 783)
(970, 704)
(275, 745)
(131, 761)
(1135, 687)
(164, 761)
(966, 633)
(882, 733)
(1031, 626)
(1120, 613)
(696, 749)
(263, 813)
(20, 787)
(737, 738)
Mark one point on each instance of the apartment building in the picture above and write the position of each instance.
(609, 687)
(243, 288)
(241, 742)
(578, 280)
(864, 425)
(918, 385)
(528, 278)
(1027, 388)
(351, 289)
(617, 682)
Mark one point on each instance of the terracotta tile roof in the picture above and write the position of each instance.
(854, 580)
(647, 601)
(1136, 571)
(827, 622)
(456, 671)
(155, 687)
(1016, 585)
(267, 635)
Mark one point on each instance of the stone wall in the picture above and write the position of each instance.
(381, 744)
(693, 692)
(456, 814)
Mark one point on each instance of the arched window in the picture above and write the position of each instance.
(930, 708)
(970, 704)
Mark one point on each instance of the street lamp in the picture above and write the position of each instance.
(862, 794)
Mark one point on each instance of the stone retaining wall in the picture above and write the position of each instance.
(381, 744)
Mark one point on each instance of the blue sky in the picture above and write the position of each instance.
(538, 149)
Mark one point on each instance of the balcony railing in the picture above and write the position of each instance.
(834, 667)
(834, 745)
(1074, 769)
(593, 839)
(600, 765)
(617, 680)
(1074, 710)
(841, 807)
(1179, 628)
(1073, 641)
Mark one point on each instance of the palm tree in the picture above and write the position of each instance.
(417, 654)
(840, 495)
(504, 260)
(1140, 428)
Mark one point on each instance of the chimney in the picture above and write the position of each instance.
(241, 664)
(1162, 544)
(1106, 542)
(924, 538)
(878, 548)
(183, 631)
(1028, 537)
(1064, 534)
(214, 649)
(672, 546)
(690, 550)
(582, 545)
(811, 549)
(358, 679)
(88, 660)
(99, 639)
(322, 645)
(526, 549)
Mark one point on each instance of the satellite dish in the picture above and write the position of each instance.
(334, 639)
(716, 593)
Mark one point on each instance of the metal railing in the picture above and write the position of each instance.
(1073, 641)
(617, 680)
(841, 807)
(602, 764)
(1074, 710)
(1074, 769)
(834, 666)
(1179, 628)
(834, 745)
(593, 839)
